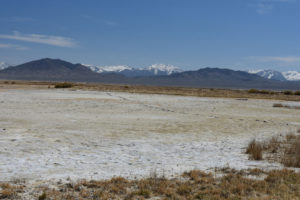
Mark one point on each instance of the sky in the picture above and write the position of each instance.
(190, 34)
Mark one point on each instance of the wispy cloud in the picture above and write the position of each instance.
(267, 6)
(17, 19)
(110, 23)
(272, 1)
(263, 8)
(12, 46)
(41, 39)
(282, 59)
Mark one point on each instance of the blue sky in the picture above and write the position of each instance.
(191, 34)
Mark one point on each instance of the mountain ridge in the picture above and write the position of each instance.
(58, 70)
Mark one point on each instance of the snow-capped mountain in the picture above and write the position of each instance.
(153, 70)
(3, 65)
(276, 75)
(292, 75)
(108, 69)
(269, 74)
(163, 69)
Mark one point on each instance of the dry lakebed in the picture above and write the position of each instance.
(53, 134)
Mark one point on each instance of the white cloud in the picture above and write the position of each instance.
(263, 8)
(12, 46)
(266, 6)
(282, 1)
(282, 59)
(41, 39)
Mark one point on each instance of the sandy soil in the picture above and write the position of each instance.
(55, 134)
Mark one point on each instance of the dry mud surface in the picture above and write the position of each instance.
(56, 134)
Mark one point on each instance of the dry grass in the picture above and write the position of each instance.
(277, 184)
(292, 153)
(183, 91)
(285, 150)
(9, 191)
(255, 149)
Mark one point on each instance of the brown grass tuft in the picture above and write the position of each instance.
(290, 136)
(255, 150)
(292, 153)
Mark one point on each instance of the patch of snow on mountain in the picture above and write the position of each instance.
(269, 74)
(3, 65)
(101, 69)
(156, 69)
(254, 71)
(169, 69)
(292, 75)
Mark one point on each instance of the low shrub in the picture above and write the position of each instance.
(297, 93)
(253, 91)
(255, 150)
(264, 92)
(63, 85)
(277, 105)
(43, 196)
(287, 92)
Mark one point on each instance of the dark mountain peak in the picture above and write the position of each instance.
(48, 64)
(50, 69)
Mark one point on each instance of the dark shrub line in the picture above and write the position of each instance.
(63, 85)
(287, 92)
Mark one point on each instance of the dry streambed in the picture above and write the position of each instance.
(56, 134)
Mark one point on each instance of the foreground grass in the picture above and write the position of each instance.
(277, 184)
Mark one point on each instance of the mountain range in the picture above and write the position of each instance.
(161, 69)
(160, 75)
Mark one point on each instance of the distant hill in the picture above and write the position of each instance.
(58, 70)
(53, 70)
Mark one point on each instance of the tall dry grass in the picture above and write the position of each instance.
(255, 150)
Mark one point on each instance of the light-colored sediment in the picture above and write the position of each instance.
(54, 134)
